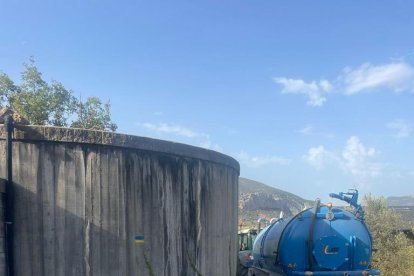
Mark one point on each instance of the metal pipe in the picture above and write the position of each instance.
(8, 216)
(273, 220)
(259, 226)
(337, 273)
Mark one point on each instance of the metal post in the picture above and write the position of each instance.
(8, 123)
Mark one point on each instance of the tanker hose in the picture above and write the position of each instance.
(311, 229)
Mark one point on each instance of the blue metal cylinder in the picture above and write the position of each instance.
(319, 241)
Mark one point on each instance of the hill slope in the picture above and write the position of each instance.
(259, 200)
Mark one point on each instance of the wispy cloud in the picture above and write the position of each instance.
(314, 91)
(172, 129)
(259, 161)
(310, 130)
(402, 128)
(208, 144)
(190, 136)
(397, 76)
(307, 130)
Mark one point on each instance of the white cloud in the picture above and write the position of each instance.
(258, 161)
(316, 157)
(172, 129)
(315, 91)
(355, 159)
(359, 160)
(397, 76)
(403, 128)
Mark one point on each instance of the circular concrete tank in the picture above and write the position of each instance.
(82, 197)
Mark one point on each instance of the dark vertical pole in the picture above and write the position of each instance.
(311, 230)
(8, 122)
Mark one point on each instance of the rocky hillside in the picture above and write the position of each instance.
(259, 200)
(400, 201)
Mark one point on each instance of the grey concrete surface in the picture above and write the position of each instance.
(80, 198)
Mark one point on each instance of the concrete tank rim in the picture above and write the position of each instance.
(106, 138)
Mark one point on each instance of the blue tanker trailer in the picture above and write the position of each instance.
(323, 240)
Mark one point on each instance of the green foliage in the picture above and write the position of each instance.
(148, 265)
(39, 102)
(93, 114)
(43, 103)
(410, 256)
(393, 253)
(7, 87)
(61, 104)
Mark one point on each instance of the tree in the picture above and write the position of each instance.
(93, 114)
(393, 253)
(61, 104)
(7, 87)
(39, 102)
(43, 103)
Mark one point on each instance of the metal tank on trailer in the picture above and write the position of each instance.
(323, 240)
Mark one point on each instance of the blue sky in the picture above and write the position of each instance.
(309, 96)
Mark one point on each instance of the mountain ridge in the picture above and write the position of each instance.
(258, 200)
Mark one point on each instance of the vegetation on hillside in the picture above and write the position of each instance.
(393, 251)
(43, 103)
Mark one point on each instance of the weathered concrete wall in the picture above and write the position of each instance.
(79, 204)
(2, 231)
